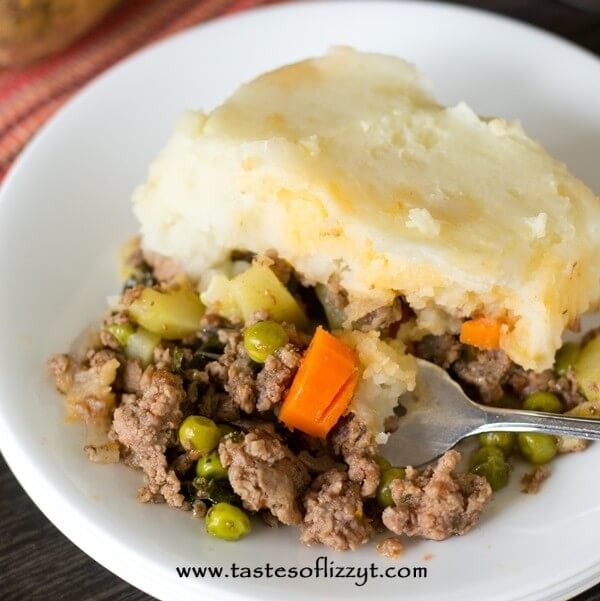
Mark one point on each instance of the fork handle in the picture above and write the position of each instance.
(517, 420)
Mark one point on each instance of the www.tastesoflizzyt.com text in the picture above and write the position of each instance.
(322, 568)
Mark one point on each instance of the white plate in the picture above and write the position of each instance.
(64, 211)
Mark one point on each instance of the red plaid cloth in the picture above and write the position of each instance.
(29, 97)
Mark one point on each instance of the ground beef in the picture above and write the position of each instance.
(131, 376)
(390, 547)
(164, 268)
(436, 503)
(335, 293)
(119, 317)
(257, 317)
(276, 376)
(192, 392)
(249, 424)
(532, 481)
(320, 463)
(199, 509)
(210, 324)
(234, 371)
(280, 267)
(442, 350)
(334, 513)
(62, 370)
(381, 318)
(364, 470)
(248, 389)
(184, 461)
(97, 358)
(351, 439)
(131, 294)
(490, 374)
(524, 382)
(486, 372)
(106, 338)
(145, 425)
(241, 384)
(265, 474)
(269, 519)
(296, 337)
(350, 435)
(218, 406)
(163, 357)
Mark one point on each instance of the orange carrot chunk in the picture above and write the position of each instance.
(482, 332)
(323, 386)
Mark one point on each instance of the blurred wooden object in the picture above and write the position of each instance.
(33, 29)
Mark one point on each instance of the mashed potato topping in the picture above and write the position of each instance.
(347, 166)
(386, 373)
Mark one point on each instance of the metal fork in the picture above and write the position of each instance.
(439, 415)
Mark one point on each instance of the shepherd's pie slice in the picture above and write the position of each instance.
(348, 167)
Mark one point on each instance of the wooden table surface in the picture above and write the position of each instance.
(38, 563)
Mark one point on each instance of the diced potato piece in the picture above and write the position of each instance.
(172, 314)
(586, 409)
(587, 370)
(568, 444)
(98, 446)
(258, 289)
(179, 283)
(91, 396)
(141, 345)
(220, 299)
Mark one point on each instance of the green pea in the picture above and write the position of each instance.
(382, 462)
(537, 448)
(543, 401)
(227, 522)
(494, 471)
(505, 441)
(488, 461)
(485, 454)
(198, 433)
(263, 339)
(384, 494)
(121, 332)
(211, 468)
(566, 357)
